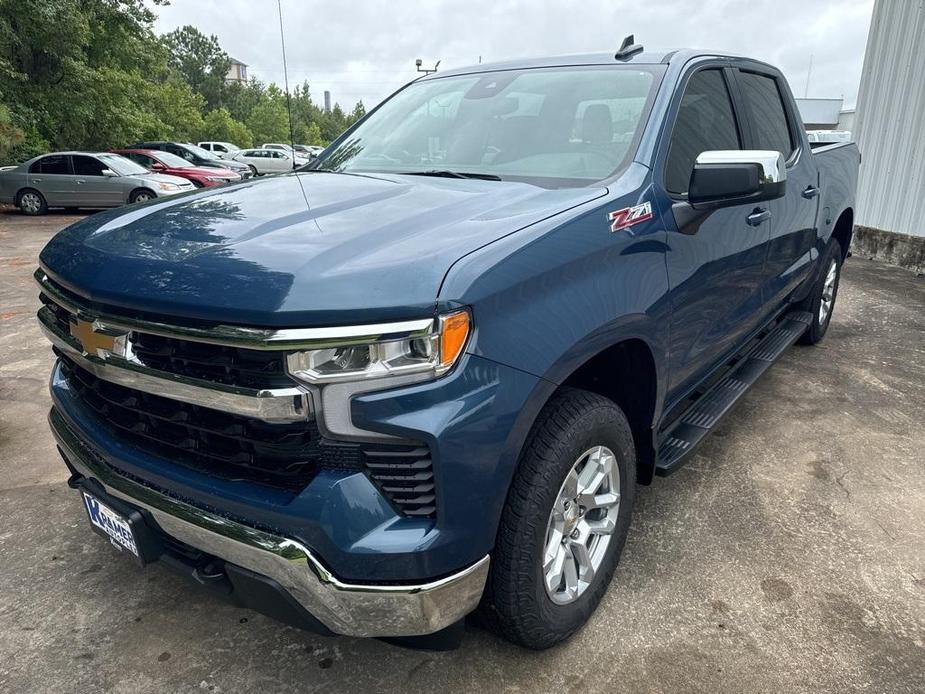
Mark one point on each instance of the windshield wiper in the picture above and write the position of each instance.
(452, 174)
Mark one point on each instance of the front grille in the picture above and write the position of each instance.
(282, 456)
(230, 447)
(248, 368)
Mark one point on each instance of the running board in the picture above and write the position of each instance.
(678, 442)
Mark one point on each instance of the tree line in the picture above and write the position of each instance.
(92, 74)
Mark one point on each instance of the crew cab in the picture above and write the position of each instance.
(423, 375)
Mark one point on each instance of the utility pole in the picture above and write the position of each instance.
(282, 41)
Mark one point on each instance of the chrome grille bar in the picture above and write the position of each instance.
(269, 405)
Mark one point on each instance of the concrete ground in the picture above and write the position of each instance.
(789, 556)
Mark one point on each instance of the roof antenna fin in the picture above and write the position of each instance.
(628, 48)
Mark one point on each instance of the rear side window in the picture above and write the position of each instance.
(55, 164)
(705, 122)
(88, 166)
(768, 118)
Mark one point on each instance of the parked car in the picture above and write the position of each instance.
(194, 155)
(308, 152)
(83, 179)
(367, 404)
(267, 161)
(223, 150)
(300, 159)
(167, 163)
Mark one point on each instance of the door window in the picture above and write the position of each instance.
(705, 122)
(87, 166)
(768, 117)
(142, 159)
(54, 164)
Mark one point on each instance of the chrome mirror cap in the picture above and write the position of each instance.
(771, 163)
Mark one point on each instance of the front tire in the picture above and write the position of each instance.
(566, 519)
(31, 202)
(821, 300)
(141, 195)
(253, 170)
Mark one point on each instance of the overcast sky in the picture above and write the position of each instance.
(365, 49)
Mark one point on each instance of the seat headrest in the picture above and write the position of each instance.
(597, 125)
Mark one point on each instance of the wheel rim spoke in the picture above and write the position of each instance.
(583, 561)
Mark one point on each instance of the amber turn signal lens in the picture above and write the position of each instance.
(453, 334)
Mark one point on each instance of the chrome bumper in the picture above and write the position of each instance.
(347, 609)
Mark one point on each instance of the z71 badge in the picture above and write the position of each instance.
(628, 216)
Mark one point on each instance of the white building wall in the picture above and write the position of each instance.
(890, 120)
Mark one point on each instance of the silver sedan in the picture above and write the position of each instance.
(83, 179)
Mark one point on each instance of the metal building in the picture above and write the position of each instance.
(890, 131)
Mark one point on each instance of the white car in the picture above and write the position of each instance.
(223, 150)
(300, 157)
(267, 161)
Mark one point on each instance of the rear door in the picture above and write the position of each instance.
(774, 125)
(52, 177)
(716, 265)
(93, 189)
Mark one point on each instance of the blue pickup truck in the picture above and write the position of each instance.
(423, 375)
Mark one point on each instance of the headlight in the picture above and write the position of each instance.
(168, 186)
(429, 354)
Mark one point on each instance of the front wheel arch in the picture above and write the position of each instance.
(139, 192)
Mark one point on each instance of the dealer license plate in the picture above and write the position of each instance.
(113, 525)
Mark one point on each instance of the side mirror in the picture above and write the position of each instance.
(157, 166)
(110, 173)
(733, 177)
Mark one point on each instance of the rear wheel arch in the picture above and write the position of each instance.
(17, 199)
(844, 230)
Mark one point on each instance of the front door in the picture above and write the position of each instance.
(716, 263)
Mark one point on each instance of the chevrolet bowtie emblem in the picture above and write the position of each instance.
(97, 340)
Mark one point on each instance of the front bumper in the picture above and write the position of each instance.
(374, 610)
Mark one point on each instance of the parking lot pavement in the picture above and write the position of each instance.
(789, 556)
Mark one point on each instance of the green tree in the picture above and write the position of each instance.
(11, 137)
(268, 121)
(200, 61)
(219, 125)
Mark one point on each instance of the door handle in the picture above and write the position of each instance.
(810, 192)
(79, 182)
(36, 180)
(758, 216)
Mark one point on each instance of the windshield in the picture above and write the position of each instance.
(173, 161)
(557, 126)
(122, 166)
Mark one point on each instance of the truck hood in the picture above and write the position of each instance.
(302, 249)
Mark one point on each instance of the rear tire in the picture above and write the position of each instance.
(549, 568)
(141, 195)
(31, 202)
(821, 300)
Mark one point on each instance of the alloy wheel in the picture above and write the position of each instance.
(828, 292)
(580, 526)
(30, 202)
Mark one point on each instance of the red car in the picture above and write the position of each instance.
(167, 163)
